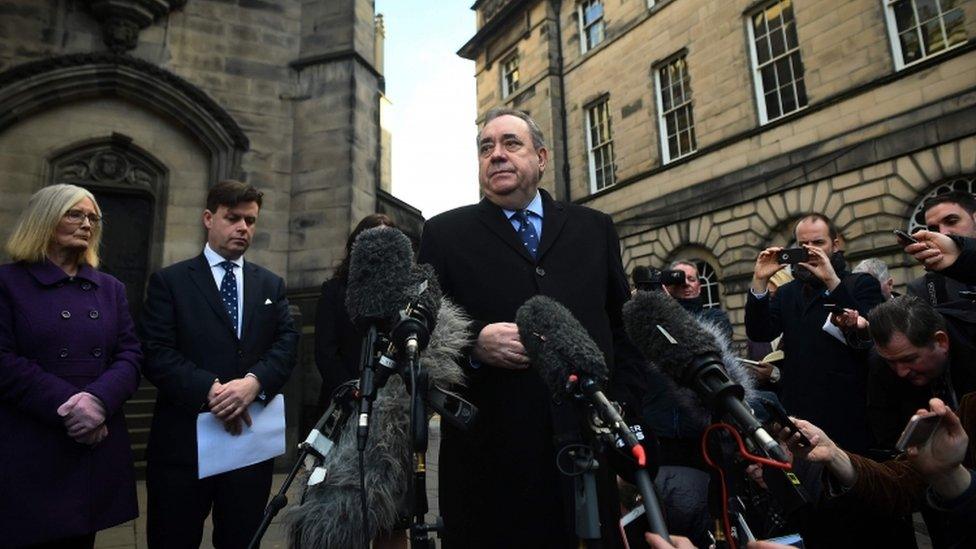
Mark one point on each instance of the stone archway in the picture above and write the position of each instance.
(130, 185)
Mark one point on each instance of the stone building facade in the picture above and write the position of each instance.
(150, 102)
(706, 128)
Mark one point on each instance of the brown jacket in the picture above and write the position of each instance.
(895, 484)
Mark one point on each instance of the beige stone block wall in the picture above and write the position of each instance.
(29, 144)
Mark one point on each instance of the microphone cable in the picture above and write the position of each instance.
(726, 521)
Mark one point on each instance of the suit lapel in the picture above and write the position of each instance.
(553, 219)
(251, 296)
(202, 278)
(494, 218)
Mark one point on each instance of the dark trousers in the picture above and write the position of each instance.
(179, 504)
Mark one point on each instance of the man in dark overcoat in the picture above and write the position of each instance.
(824, 379)
(217, 335)
(499, 484)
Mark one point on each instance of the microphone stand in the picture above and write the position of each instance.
(590, 389)
(318, 444)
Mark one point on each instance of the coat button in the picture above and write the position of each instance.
(93, 314)
(63, 353)
(540, 271)
(86, 285)
(240, 352)
(65, 314)
(96, 352)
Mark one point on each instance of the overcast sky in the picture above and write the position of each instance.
(433, 94)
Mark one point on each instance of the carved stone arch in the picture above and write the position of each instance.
(709, 271)
(782, 233)
(32, 87)
(916, 218)
(131, 186)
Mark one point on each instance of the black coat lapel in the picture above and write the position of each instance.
(494, 218)
(251, 296)
(553, 219)
(202, 278)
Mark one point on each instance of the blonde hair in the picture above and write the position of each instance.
(34, 232)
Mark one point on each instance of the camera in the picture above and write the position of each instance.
(649, 279)
(792, 256)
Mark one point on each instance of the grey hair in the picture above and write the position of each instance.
(874, 267)
(538, 140)
(674, 264)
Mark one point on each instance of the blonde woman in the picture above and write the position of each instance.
(69, 359)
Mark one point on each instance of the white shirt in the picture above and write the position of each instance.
(214, 260)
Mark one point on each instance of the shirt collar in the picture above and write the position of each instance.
(214, 259)
(535, 206)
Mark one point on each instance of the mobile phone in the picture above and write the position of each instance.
(833, 308)
(777, 415)
(918, 431)
(632, 527)
(792, 256)
(793, 540)
(904, 238)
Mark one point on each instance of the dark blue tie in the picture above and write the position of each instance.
(526, 232)
(228, 292)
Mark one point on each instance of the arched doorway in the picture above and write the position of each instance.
(130, 186)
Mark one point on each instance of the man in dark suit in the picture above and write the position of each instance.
(217, 335)
(824, 379)
(499, 483)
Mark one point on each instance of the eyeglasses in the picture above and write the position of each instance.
(78, 217)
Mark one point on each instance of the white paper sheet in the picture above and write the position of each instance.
(218, 451)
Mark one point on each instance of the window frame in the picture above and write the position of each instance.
(894, 33)
(708, 277)
(606, 145)
(760, 92)
(667, 155)
(514, 56)
(583, 27)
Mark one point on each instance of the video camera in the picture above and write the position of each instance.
(649, 279)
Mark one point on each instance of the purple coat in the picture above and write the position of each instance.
(58, 336)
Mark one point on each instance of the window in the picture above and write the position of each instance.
(922, 28)
(510, 76)
(675, 118)
(599, 141)
(591, 24)
(778, 70)
(709, 285)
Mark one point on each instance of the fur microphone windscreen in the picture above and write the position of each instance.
(331, 516)
(695, 337)
(380, 265)
(557, 344)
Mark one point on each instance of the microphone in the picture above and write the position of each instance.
(686, 352)
(571, 364)
(387, 295)
(331, 514)
(380, 265)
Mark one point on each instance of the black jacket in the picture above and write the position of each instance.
(823, 379)
(189, 341)
(498, 481)
(337, 344)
